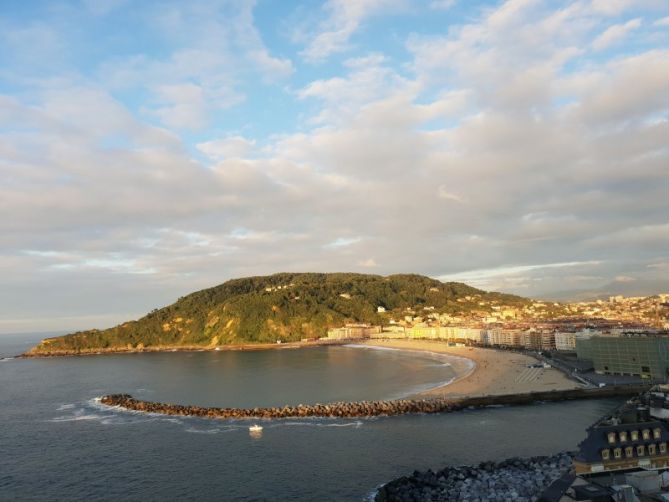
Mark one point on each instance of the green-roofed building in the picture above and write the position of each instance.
(645, 356)
(584, 348)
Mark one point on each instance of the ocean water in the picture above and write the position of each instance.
(58, 443)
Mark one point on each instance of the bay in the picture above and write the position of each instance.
(58, 443)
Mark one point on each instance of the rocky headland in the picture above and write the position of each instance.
(515, 479)
(289, 307)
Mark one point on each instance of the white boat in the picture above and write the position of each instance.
(255, 428)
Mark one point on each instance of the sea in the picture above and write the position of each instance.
(57, 443)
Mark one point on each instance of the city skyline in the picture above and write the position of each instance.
(152, 149)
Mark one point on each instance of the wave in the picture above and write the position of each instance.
(310, 423)
(215, 430)
(75, 418)
(94, 411)
(444, 358)
(373, 347)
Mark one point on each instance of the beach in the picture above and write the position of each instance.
(483, 371)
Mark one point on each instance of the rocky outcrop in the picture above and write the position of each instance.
(367, 408)
(513, 479)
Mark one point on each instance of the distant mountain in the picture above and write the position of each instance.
(286, 306)
(641, 287)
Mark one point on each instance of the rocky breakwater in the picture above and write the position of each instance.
(363, 409)
(514, 479)
(332, 410)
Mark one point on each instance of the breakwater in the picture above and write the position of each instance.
(513, 479)
(368, 408)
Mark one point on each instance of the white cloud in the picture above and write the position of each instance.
(185, 106)
(446, 195)
(215, 46)
(614, 34)
(227, 148)
(343, 20)
(342, 242)
(491, 273)
(662, 22)
(612, 7)
(624, 278)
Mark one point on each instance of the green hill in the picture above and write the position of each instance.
(286, 306)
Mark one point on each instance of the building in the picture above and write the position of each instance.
(584, 348)
(474, 335)
(531, 340)
(624, 458)
(634, 437)
(565, 341)
(548, 340)
(353, 331)
(641, 355)
(393, 331)
(504, 337)
(422, 331)
(613, 447)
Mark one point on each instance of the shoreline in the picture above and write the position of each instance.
(461, 365)
(494, 371)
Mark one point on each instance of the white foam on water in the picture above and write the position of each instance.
(357, 424)
(418, 389)
(443, 358)
(215, 430)
(373, 347)
(65, 407)
(75, 418)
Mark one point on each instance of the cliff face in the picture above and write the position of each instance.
(287, 306)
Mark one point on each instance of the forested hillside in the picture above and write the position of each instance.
(286, 306)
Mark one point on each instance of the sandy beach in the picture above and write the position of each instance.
(492, 372)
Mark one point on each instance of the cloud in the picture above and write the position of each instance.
(445, 194)
(185, 106)
(344, 18)
(611, 7)
(503, 145)
(233, 147)
(614, 34)
(214, 46)
(624, 278)
(342, 242)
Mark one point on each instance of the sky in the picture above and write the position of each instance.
(150, 149)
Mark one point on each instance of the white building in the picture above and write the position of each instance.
(565, 341)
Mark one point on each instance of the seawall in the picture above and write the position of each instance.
(513, 479)
(369, 408)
